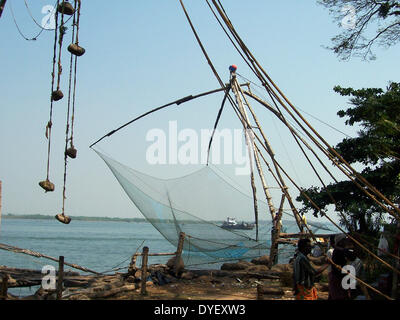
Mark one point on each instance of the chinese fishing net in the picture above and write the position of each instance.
(176, 205)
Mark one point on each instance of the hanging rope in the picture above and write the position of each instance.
(47, 185)
(57, 95)
(72, 150)
(51, 14)
(18, 28)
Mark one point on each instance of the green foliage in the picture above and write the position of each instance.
(376, 147)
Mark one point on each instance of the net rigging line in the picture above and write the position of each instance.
(173, 206)
(50, 122)
(316, 118)
(34, 38)
(270, 91)
(177, 102)
(18, 28)
(47, 21)
(235, 108)
(40, 255)
(72, 73)
(330, 152)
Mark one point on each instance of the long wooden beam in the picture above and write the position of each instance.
(304, 235)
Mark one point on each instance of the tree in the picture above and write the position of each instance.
(365, 23)
(2, 5)
(376, 149)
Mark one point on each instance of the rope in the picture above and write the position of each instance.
(330, 152)
(76, 62)
(38, 24)
(68, 112)
(323, 122)
(40, 255)
(19, 30)
(217, 120)
(60, 42)
(50, 123)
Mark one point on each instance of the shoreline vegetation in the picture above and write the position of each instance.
(119, 219)
(88, 218)
(81, 218)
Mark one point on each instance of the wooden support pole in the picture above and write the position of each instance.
(2, 5)
(268, 148)
(60, 280)
(4, 287)
(145, 257)
(249, 142)
(179, 250)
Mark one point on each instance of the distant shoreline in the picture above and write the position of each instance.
(105, 219)
(81, 218)
(86, 218)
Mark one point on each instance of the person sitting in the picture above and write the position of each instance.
(304, 275)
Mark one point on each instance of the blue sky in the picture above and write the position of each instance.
(142, 54)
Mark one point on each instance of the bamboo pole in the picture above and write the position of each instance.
(257, 159)
(271, 153)
(143, 290)
(276, 220)
(40, 255)
(2, 5)
(260, 71)
(60, 280)
(249, 141)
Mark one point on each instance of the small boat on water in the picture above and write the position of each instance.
(231, 223)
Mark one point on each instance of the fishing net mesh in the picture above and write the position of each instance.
(177, 205)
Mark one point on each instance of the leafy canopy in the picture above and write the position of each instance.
(376, 148)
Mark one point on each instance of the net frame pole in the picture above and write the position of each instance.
(249, 142)
(276, 227)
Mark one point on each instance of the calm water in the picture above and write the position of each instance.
(100, 246)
